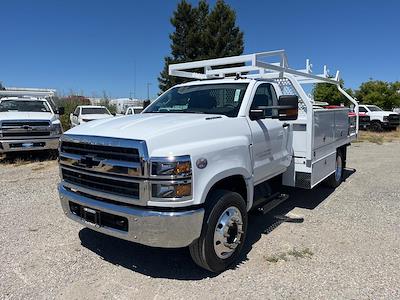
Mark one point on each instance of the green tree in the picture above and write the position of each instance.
(386, 95)
(223, 37)
(327, 92)
(201, 34)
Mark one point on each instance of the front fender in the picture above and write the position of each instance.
(248, 178)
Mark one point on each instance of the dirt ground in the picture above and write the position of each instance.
(347, 247)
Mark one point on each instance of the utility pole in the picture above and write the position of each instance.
(134, 79)
(148, 90)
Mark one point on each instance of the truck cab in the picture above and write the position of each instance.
(28, 123)
(189, 168)
(133, 110)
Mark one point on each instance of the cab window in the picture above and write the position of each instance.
(265, 96)
(362, 109)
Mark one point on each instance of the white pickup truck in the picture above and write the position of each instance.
(86, 113)
(379, 118)
(187, 170)
(133, 110)
(28, 123)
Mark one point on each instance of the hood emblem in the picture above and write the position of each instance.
(88, 161)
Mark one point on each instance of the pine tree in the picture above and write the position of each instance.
(201, 34)
(224, 38)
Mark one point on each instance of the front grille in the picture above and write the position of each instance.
(25, 134)
(113, 186)
(25, 123)
(25, 129)
(105, 169)
(101, 152)
(394, 119)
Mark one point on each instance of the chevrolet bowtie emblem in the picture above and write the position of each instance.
(88, 161)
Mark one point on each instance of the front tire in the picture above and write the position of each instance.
(376, 126)
(223, 233)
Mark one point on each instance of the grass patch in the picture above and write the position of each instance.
(285, 256)
(378, 137)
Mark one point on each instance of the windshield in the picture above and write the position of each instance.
(222, 99)
(374, 108)
(24, 106)
(95, 111)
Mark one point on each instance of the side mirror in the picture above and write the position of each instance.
(288, 107)
(257, 114)
(61, 111)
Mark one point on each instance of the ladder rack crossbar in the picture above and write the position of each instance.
(253, 66)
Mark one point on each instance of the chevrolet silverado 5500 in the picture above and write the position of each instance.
(28, 121)
(189, 168)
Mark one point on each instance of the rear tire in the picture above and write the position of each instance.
(335, 179)
(223, 233)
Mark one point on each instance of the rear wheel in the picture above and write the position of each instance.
(223, 232)
(336, 178)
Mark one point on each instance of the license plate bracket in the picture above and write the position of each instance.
(90, 216)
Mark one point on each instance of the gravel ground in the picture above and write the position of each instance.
(348, 246)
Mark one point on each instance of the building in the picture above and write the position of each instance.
(123, 103)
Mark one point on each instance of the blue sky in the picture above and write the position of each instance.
(93, 46)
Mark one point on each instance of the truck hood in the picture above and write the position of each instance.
(19, 115)
(95, 116)
(166, 131)
(381, 113)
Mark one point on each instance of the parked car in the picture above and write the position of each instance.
(29, 123)
(189, 168)
(134, 110)
(87, 113)
(380, 118)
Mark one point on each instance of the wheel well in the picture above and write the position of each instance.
(234, 183)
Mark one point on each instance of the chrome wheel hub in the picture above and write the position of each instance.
(339, 169)
(228, 232)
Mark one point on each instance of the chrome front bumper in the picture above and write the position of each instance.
(37, 144)
(165, 229)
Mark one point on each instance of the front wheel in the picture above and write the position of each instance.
(223, 233)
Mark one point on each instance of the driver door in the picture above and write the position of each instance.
(269, 136)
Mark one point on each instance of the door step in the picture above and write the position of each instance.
(273, 202)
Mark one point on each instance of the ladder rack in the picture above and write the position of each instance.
(20, 92)
(254, 66)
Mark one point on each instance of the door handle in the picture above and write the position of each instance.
(285, 125)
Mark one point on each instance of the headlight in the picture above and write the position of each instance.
(56, 129)
(171, 190)
(385, 119)
(171, 167)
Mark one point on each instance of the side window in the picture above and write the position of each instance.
(129, 112)
(76, 112)
(362, 109)
(265, 96)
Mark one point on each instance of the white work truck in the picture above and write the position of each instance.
(29, 120)
(379, 118)
(189, 168)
